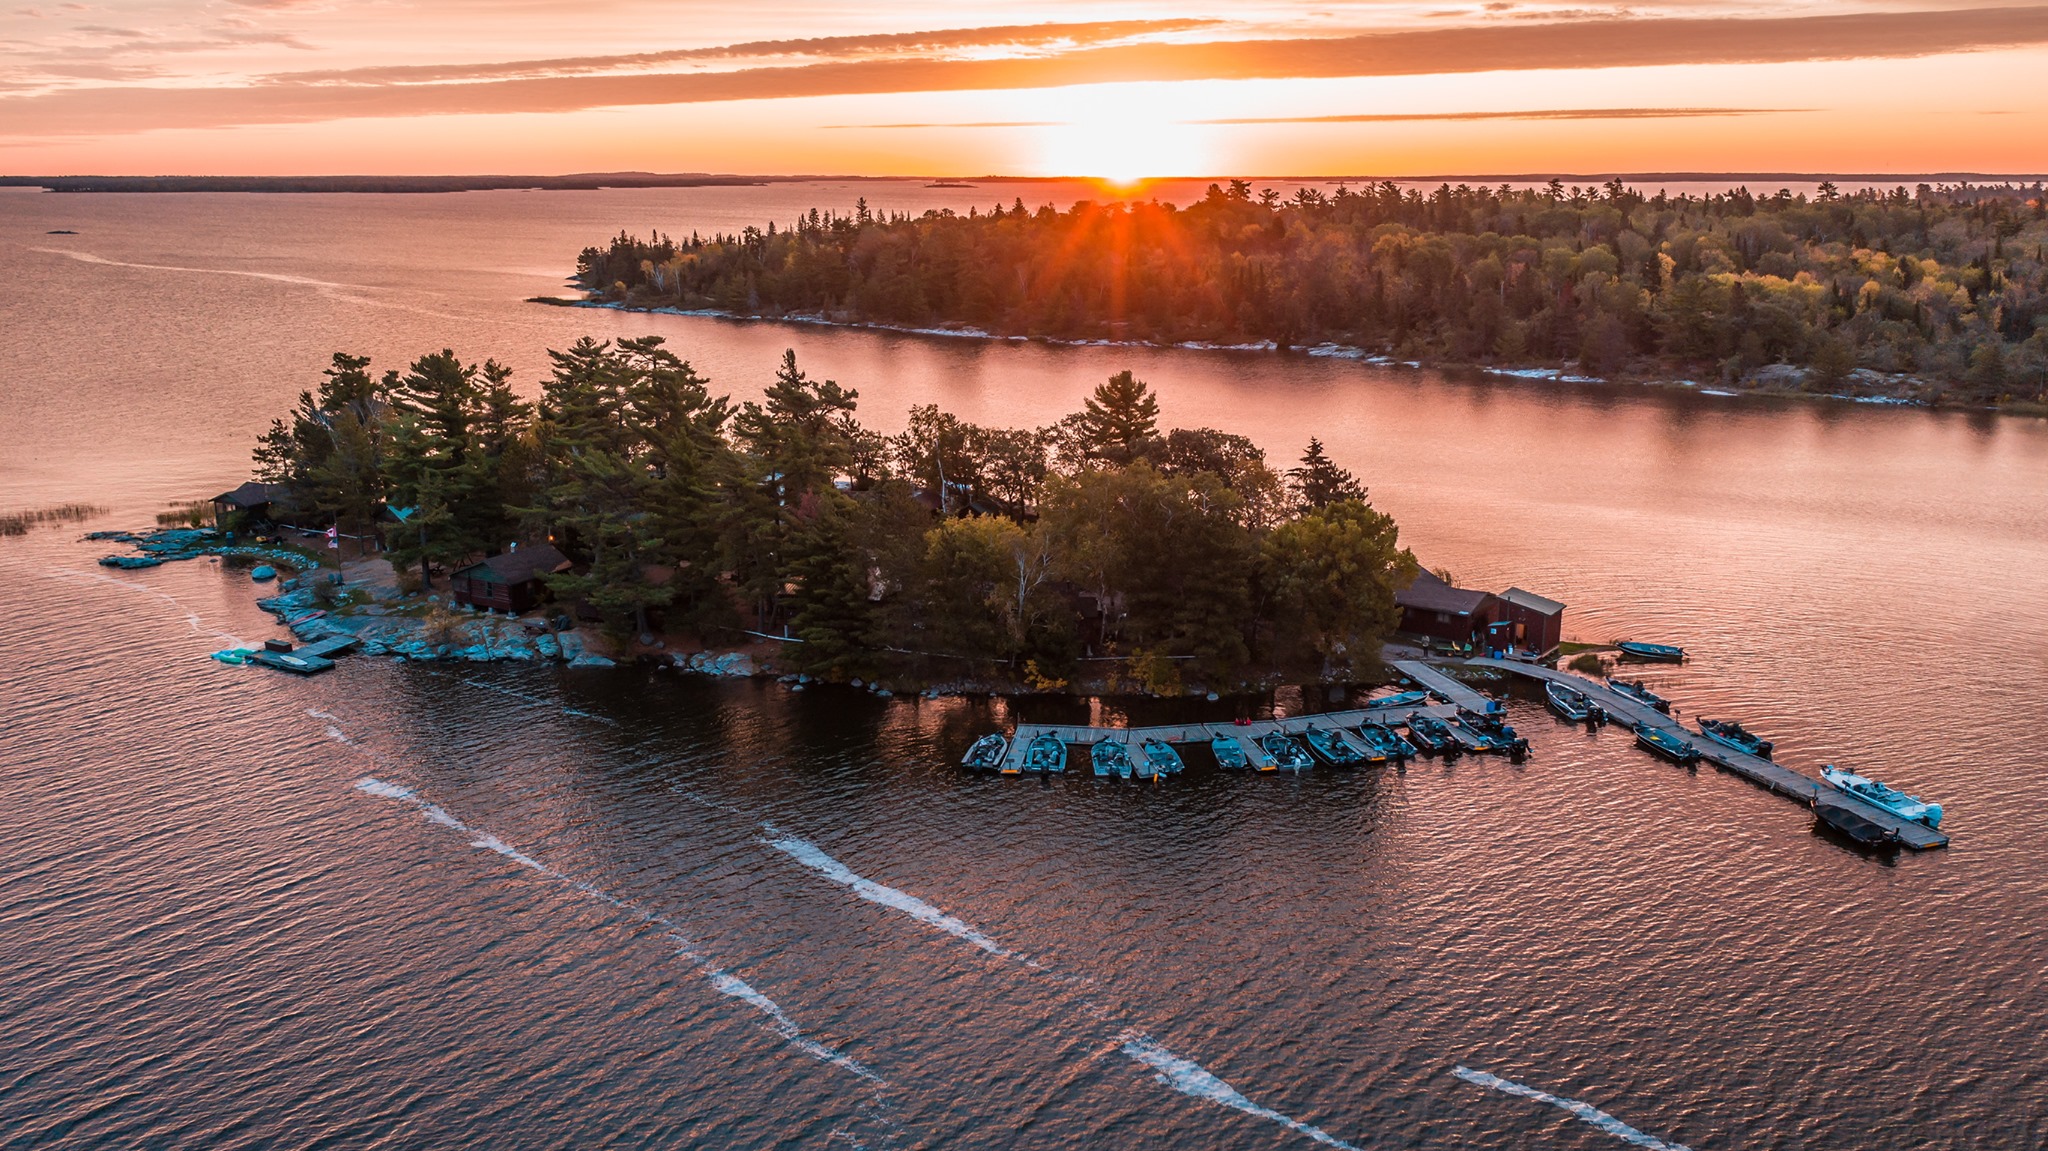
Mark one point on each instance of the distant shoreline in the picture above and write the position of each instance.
(599, 181)
(1777, 380)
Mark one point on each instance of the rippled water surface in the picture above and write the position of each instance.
(421, 906)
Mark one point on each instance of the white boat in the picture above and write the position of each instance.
(1877, 794)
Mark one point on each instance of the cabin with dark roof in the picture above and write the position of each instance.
(1435, 610)
(252, 501)
(1533, 623)
(513, 582)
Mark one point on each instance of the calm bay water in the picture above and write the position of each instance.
(628, 909)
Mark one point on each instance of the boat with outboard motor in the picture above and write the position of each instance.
(1729, 733)
(1230, 754)
(1431, 736)
(1287, 755)
(1332, 748)
(1111, 757)
(1654, 652)
(1667, 744)
(987, 754)
(1636, 690)
(1568, 701)
(1161, 756)
(1385, 740)
(1399, 699)
(1469, 736)
(1877, 794)
(1046, 754)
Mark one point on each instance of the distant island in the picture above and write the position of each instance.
(1932, 295)
(1102, 551)
(586, 181)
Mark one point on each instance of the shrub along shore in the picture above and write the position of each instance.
(1102, 551)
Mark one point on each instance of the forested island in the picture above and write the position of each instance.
(1163, 559)
(1938, 294)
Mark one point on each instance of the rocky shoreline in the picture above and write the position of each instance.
(1862, 385)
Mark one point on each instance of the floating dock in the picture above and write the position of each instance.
(1246, 734)
(312, 659)
(1775, 776)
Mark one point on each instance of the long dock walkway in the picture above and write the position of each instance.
(1773, 775)
(1460, 694)
(1247, 735)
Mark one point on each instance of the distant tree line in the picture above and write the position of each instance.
(949, 548)
(1948, 284)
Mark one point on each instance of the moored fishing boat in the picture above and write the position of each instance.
(1287, 755)
(1230, 754)
(1468, 737)
(1636, 690)
(1877, 794)
(1655, 652)
(1384, 740)
(1668, 744)
(1332, 748)
(1431, 736)
(1161, 756)
(1046, 754)
(1112, 757)
(1729, 733)
(1567, 701)
(1399, 699)
(1850, 822)
(987, 753)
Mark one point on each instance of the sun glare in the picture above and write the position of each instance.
(1122, 146)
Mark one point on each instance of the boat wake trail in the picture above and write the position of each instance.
(722, 981)
(1584, 1112)
(1178, 1072)
(192, 619)
(812, 857)
(1191, 1078)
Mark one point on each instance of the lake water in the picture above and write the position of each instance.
(619, 908)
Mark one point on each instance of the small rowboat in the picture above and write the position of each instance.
(1729, 733)
(1655, 652)
(1333, 748)
(1287, 754)
(1384, 740)
(987, 754)
(1229, 754)
(1669, 745)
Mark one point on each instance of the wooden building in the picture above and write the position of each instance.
(511, 582)
(252, 501)
(1433, 609)
(1534, 623)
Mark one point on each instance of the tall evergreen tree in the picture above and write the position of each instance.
(1319, 482)
(1120, 421)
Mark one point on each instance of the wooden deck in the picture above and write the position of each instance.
(1775, 776)
(1460, 694)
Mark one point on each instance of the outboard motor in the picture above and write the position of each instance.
(1518, 750)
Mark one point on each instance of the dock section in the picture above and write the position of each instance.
(1445, 686)
(1768, 773)
(1246, 734)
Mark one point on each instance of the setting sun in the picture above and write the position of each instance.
(1121, 142)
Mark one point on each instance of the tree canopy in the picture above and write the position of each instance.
(1607, 278)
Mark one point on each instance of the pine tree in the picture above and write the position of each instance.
(1319, 482)
(1120, 421)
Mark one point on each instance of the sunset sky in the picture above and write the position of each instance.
(1063, 88)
